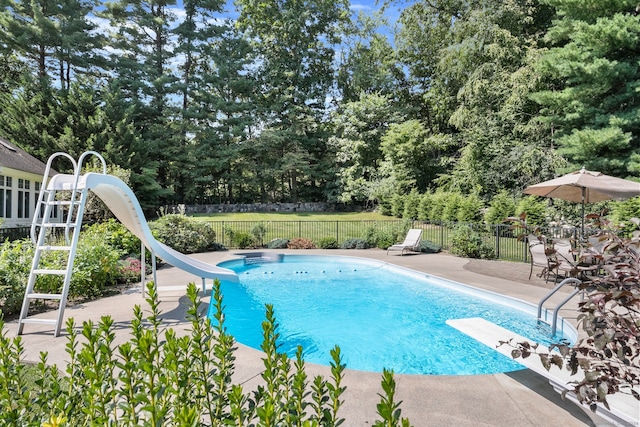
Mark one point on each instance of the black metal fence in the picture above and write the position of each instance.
(504, 239)
(501, 236)
(312, 230)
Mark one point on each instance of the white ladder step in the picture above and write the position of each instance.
(61, 202)
(48, 271)
(57, 224)
(39, 321)
(54, 248)
(36, 295)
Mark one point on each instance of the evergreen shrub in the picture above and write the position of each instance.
(624, 210)
(536, 210)
(278, 244)
(470, 209)
(451, 206)
(397, 205)
(15, 264)
(328, 243)
(184, 234)
(424, 207)
(501, 206)
(438, 203)
(355, 244)
(468, 243)
(429, 247)
(411, 205)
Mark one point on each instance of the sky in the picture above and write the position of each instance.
(366, 6)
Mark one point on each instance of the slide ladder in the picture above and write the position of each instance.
(54, 238)
(554, 321)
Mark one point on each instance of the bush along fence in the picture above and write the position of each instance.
(464, 239)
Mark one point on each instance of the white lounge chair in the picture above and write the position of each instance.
(411, 242)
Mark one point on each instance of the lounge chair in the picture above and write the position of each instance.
(411, 242)
(540, 257)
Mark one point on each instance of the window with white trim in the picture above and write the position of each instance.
(24, 185)
(5, 196)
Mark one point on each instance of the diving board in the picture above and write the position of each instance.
(624, 409)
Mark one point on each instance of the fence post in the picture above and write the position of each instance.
(337, 232)
(497, 241)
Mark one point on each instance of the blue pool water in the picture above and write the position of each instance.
(380, 315)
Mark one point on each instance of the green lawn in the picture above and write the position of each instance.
(313, 226)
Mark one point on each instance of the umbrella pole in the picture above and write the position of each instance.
(584, 190)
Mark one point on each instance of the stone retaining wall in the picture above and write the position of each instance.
(260, 207)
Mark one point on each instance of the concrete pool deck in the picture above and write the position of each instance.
(521, 398)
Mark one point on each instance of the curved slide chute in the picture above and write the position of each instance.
(119, 198)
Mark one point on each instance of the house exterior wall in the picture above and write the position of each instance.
(19, 192)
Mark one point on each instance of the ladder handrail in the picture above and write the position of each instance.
(94, 153)
(554, 324)
(74, 191)
(43, 189)
(569, 280)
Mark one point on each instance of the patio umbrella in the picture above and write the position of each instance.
(585, 186)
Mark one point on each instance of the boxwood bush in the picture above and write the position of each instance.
(427, 246)
(328, 243)
(355, 244)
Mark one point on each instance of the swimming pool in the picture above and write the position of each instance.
(381, 315)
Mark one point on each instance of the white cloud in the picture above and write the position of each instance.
(357, 7)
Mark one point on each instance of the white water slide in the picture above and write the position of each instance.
(119, 198)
